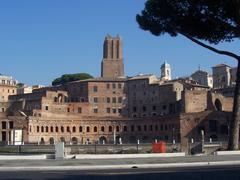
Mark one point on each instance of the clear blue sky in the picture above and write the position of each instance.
(43, 39)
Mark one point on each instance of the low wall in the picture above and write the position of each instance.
(85, 149)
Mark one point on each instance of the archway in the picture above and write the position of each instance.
(62, 139)
(102, 140)
(74, 140)
(218, 105)
(51, 140)
(42, 141)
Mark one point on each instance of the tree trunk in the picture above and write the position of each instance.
(234, 123)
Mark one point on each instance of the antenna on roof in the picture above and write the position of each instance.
(199, 67)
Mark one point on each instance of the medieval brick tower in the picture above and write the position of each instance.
(112, 63)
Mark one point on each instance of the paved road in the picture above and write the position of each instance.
(213, 173)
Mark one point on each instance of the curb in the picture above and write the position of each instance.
(127, 156)
(23, 157)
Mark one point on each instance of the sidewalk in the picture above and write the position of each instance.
(124, 163)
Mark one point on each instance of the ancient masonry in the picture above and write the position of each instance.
(114, 109)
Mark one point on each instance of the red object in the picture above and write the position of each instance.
(159, 147)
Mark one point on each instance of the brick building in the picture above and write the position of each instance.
(114, 107)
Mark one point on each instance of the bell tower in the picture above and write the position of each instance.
(166, 72)
(112, 63)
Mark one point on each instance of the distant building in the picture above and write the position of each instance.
(221, 76)
(203, 78)
(166, 72)
(24, 89)
(8, 86)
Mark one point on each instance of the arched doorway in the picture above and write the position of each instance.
(51, 140)
(74, 140)
(118, 139)
(62, 139)
(42, 141)
(102, 140)
(218, 105)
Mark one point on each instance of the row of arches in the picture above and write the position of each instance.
(103, 129)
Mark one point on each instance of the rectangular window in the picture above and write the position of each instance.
(114, 86)
(154, 108)
(95, 100)
(11, 125)
(144, 108)
(114, 100)
(119, 86)
(95, 110)
(79, 110)
(134, 109)
(108, 100)
(46, 108)
(108, 86)
(132, 128)
(114, 110)
(108, 110)
(120, 100)
(119, 110)
(95, 89)
(145, 127)
(4, 125)
(164, 107)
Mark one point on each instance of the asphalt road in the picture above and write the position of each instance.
(212, 173)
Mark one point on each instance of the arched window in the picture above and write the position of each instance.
(95, 129)
(110, 128)
(117, 128)
(42, 141)
(74, 129)
(51, 129)
(42, 129)
(62, 129)
(125, 128)
(37, 128)
(80, 129)
(46, 128)
(56, 129)
(102, 129)
(68, 129)
(88, 129)
(51, 140)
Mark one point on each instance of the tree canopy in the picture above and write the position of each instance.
(70, 77)
(209, 20)
(201, 21)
